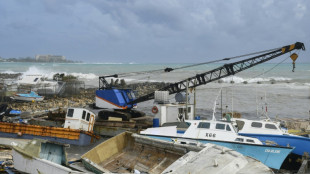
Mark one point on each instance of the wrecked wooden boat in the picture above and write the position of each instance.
(41, 156)
(77, 130)
(129, 152)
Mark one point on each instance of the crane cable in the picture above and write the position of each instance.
(273, 67)
(262, 72)
(226, 59)
(193, 65)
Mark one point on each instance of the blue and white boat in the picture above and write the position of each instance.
(32, 96)
(224, 134)
(271, 132)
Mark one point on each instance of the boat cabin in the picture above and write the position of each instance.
(258, 127)
(216, 130)
(80, 118)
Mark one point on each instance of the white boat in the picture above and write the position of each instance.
(41, 156)
(30, 97)
(204, 129)
(271, 132)
(215, 159)
(223, 133)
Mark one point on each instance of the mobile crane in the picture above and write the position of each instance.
(120, 102)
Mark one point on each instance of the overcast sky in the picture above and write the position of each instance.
(151, 31)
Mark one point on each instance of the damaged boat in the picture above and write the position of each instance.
(129, 152)
(28, 97)
(77, 130)
(41, 156)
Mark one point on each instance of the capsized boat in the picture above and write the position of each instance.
(30, 97)
(223, 133)
(129, 152)
(214, 159)
(41, 156)
(271, 132)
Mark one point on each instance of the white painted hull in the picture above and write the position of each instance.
(28, 98)
(36, 165)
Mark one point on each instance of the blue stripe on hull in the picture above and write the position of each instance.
(271, 156)
(301, 144)
(84, 139)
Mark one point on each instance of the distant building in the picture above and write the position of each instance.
(50, 58)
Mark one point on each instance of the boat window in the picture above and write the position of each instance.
(228, 128)
(181, 111)
(36, 79)
(88, 115)
(220, 126)
(270, 126)
(240, 124)
(83, 115)
(189, 110)
(256, 124)
(70, 112)
(249, 141)
(205, 125)
(183, 125)
(239, 139)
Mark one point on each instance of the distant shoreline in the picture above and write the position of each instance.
(32, 60)
(68, 61)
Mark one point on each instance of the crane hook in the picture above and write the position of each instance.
(294, 56)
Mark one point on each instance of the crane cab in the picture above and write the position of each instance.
(115, 98)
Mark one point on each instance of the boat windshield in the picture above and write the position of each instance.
(183, 125)
(235, 128)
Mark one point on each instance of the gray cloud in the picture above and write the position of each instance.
(150, 31)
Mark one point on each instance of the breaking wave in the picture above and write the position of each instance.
(237, 79)
(84, 76)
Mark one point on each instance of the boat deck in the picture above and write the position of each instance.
(126, 154)
(140, 157)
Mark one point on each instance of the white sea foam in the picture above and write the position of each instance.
(9, 72)
(298, 85)
(237, 79)
(89, 76)
(33, 70)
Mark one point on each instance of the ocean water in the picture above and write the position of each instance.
(284, 93)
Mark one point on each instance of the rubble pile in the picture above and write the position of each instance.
(296, 124)
(82, 100)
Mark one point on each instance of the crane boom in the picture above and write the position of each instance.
(221, 72)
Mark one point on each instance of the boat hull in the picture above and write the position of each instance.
(84, 139)
(36, 165)
(271, 156)
(60, 135)
(301, 144)
(28, 99)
